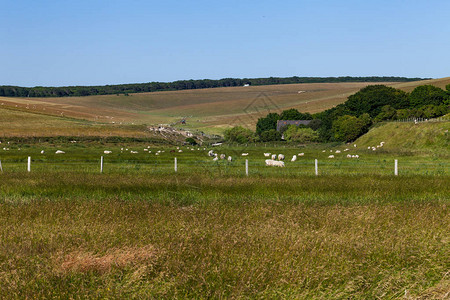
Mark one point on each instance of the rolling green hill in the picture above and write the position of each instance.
(210, 110)
(423, 137)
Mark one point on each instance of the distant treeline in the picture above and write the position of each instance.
(67, 91)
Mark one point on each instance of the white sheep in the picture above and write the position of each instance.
(215, 158)
(280, 157)
(274, 163)
(244, 154)
(338, 151)
(331, 156)
(274, 156)
(135, 152)
(230, 159)
(222, 156)
(42, 151)
(266, 154)
(301, 154)
(59, 152)
(180, 151)
(349, 156)
(294, 158)
(107, 152)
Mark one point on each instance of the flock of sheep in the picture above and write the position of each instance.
(273, 160)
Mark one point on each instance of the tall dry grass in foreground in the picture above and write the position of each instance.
(118, 236)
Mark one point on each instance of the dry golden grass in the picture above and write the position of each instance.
(87, 261)
(210, 110)
(19, 123)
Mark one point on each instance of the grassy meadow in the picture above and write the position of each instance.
(140, 230)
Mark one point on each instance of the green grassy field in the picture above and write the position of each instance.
(140, 230)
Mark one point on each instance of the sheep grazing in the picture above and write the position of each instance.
(180, 151)
(349, 156)
(211, 153)
(145, 149)
(301, 154)
(59, 152)
(294, 158)
(274, 156)
(42, 151)
(274, 163)
(346, 150)
(230, 159)
(338, 151)
(107, 152)
(222, 156)
(331, 156)
(244, 154)
(323, 151)
(280, 157)
(215, 158)
(266, 154)
(135, 152)
(354, 145)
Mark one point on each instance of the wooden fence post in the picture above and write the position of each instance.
(316, 164)
(101, 164)
(396, 168)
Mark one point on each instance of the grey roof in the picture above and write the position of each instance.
(282, 123)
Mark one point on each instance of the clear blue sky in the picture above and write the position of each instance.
(64, 42)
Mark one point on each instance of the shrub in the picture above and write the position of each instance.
(348, 128)
(191, 141)
(239, 134)
(300, 135)
(270, 135)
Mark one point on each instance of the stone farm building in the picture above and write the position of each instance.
(282, 123)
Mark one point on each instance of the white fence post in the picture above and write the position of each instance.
(1, 168)
(316, 163)
(246, 167)
(29, 164)
(176, 166)
(396, 168)
(101, 164)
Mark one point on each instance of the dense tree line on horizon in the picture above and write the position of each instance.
(67, 91)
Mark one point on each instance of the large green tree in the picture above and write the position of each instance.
(348, 128)
(294, 114)
(372, 98)
(267, 123)
(426, 95)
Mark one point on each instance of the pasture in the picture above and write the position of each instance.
(142, 230)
